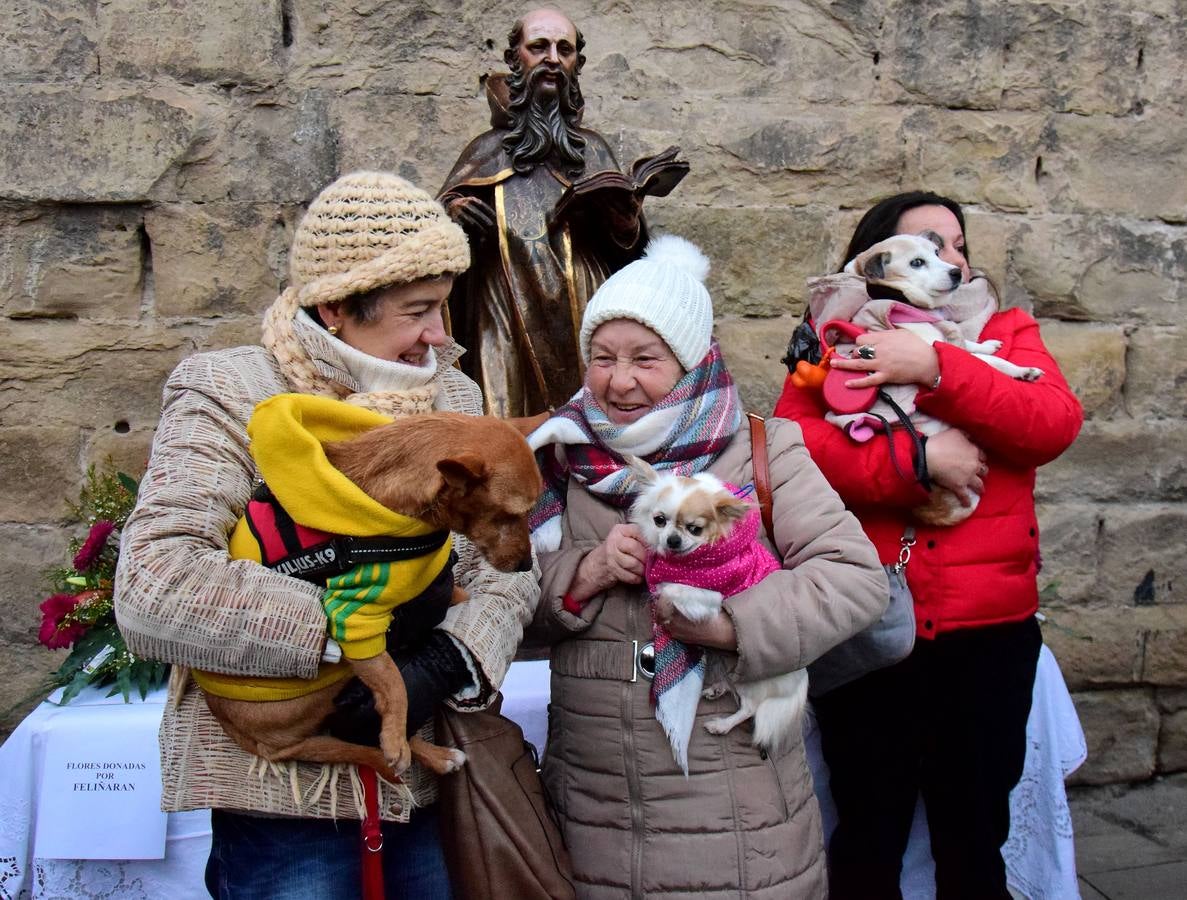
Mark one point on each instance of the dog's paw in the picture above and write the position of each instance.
(454, 760)
(397, 753)
(718, 726)
(990, 346)
(694, 603)
(713, 691)
(1032, 373)
(437, 759)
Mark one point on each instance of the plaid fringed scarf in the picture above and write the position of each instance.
(684, 433)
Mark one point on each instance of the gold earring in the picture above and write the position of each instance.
(333, 330)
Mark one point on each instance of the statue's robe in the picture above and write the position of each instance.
(517, 311)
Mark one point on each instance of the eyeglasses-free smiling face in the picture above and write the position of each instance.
(406, 321)
(630, 370)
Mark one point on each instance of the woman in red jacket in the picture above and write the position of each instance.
(950, 720)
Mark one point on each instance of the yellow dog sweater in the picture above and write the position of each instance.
(287, 433)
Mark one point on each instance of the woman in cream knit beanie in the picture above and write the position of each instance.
(371, 266)
(371, 248)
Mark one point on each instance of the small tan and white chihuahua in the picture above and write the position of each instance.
(703, 534)
(911, 264)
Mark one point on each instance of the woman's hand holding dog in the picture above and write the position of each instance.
(619, 558)
(717, 631)
(899, 357)
(956, 463)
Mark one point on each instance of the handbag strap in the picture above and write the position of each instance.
(906, 542)
(762, 487)
(762, 471)
(371, 837)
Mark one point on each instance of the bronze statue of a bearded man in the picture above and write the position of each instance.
(543, 231)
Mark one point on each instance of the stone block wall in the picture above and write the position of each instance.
(156, 154)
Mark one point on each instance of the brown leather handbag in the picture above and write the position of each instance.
(497, 829)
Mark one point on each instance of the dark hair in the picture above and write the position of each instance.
(881, 220)
(363, 308)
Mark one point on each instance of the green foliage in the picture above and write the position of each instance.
(107, 494)
(81, 612)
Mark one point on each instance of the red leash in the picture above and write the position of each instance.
(370, 836)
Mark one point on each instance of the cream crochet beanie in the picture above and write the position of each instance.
(369, 230)
(663, 290)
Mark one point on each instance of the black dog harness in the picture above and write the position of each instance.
(314, 556)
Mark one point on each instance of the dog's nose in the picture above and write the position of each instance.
(525, 564)
(673, 542)
(954, 274)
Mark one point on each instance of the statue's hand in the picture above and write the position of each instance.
(472, 213)
(622, 211)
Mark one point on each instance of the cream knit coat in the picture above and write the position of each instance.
(181, 599)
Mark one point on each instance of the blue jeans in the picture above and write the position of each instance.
(257, 858)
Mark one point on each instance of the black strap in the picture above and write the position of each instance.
(919, 441)
(339, 554)
(357, 550)
(284, 522)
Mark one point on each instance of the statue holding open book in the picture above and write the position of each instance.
(549, 215)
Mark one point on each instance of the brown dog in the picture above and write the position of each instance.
(473, 475)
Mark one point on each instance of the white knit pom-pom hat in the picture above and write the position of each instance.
(664, 290)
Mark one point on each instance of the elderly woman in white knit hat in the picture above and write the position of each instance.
(371, 265)
(738, 823)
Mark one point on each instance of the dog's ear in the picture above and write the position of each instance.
(872, 265)
(730, 508)
(933, 237)
(642, 471)
(463, 471)
(525, 425)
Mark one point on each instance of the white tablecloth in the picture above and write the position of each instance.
(187, 844)
(1039, 854)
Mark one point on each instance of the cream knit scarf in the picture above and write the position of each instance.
(303, 373)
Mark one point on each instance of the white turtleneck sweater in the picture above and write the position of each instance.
(371, 372)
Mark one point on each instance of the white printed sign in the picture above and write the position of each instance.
(100, 791)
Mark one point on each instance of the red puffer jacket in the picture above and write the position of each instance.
(981, 571)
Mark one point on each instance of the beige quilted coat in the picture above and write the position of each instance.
(741, 825)
(181, 599)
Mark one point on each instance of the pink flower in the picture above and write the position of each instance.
(88, 553)
(52, 633)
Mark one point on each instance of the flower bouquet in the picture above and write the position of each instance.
(80, 614)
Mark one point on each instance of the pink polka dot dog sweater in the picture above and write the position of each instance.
(727, 566)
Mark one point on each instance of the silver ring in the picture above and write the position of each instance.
(866, 351)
